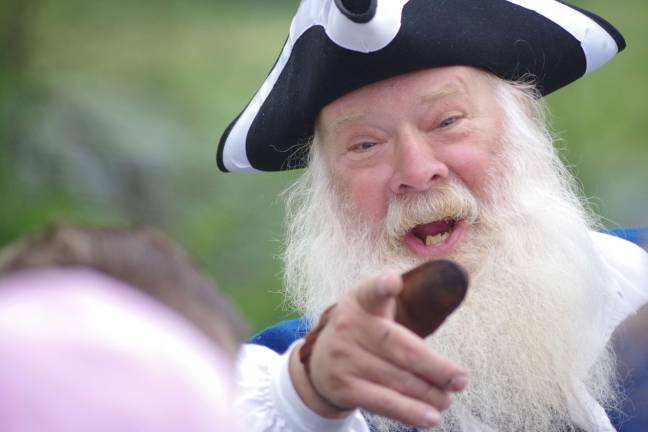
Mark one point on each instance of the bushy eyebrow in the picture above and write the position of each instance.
(432, 98)
(350, 118)
(451, 89)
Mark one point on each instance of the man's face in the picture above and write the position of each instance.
(409, 135)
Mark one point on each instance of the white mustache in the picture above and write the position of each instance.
(450, 201)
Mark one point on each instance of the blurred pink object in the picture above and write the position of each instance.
(80, 351)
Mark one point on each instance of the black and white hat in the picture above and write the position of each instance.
(337, 46)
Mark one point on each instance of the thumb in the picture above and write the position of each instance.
(377, 294)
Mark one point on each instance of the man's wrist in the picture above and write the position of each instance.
(307, 392)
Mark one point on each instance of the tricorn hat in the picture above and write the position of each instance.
(337, 46)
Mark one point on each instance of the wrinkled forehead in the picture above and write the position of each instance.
(420, 87)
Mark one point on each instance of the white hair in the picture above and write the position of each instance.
(525, 330)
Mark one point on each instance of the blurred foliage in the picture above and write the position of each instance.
(110, 113)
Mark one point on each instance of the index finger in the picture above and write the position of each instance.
(376, 294)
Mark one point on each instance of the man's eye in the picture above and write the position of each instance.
(449, 121)
(363, 146)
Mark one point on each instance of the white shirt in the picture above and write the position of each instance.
(269, 402)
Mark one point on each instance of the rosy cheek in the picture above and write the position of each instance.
(471, 165)
(368, 191)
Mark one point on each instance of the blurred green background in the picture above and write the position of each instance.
(110, 113)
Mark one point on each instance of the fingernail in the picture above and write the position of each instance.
(384, 283)
(431, 418)
(457, 383)
(381, 285)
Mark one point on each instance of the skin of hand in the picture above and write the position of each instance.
(363, 359)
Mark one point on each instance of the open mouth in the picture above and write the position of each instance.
(434, 238)
(434, 233)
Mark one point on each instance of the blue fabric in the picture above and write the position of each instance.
(632, 357)
(281, 335)
(638, 236)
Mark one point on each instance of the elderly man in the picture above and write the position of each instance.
(421, 125)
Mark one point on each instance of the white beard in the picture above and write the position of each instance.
(526, 330)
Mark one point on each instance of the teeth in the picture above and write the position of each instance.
(432, 240)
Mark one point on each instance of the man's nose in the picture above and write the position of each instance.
(417, 166)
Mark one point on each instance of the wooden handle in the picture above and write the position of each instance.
(431, 292)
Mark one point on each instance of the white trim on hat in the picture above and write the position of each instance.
(365, 37)
(597, 44)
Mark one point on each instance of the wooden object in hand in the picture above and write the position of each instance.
(431, 292)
